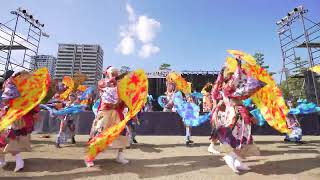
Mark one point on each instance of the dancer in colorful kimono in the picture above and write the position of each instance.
(67, 124)
(148, 106)
(295, 135)
(110, 113)
(219, 107)
(188, 128)
(16, 138)
(231, 120)
(132, 129)
(207, 101)
(171, 89)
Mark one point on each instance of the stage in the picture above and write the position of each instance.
(167, 124)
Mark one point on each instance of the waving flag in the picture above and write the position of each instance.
(133, 90)
(68, 81)
(33, 88)
(181, 83)
(189, 112)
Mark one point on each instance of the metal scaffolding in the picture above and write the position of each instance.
(18, 47)
(299, 36)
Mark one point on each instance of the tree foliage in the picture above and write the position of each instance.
(300, 65)
(295, 89)
(260, 61)
(165, 67)
(125, 69)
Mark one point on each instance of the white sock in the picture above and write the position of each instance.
(240, 165)
(19, 163)
(18, 157)
(229, 159)
(188, 134)
(121, 159)
(2, 161)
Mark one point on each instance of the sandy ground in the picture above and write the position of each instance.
(166, 157)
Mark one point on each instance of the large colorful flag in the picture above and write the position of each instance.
(181, 83)
(68, 81)
(133, 90)
(315, 69)
(33, 88)
(244, 56)
(268, 99)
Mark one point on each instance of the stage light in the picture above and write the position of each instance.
(37, 21)
(24, 11)
(31, 17)
(278, 22)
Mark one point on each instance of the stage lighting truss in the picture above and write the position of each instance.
(14, 41)
(298, 31)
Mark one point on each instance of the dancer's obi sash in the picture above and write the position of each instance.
(119, 107)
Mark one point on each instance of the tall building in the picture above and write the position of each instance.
(73, 58)
(40, 61)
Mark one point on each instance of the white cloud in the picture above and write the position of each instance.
(147, 29)
(132, 15)
(148, 50)
(126, 45)
(142, 29)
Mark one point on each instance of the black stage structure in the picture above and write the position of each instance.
(157, 82)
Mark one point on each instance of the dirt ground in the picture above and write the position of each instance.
(166, 157)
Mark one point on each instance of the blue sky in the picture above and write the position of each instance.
(189, 35)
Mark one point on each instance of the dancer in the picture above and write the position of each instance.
(132, 129)
(219, 108)
(110, 113)
(207, 101)
(188, 128)
(171, 89)
(67, 123)
(234, 127)
(295, 135)
(148, 106)
(16, 138)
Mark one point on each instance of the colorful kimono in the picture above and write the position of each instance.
(296, 134)
(207, 102)
(231, 120)
(110, 113)
(67, 127)
(17, 136)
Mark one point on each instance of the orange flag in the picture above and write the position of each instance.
(68, 81)
(33, 88)
(133, 90)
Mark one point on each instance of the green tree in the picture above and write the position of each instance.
(300, 65)
(165, 66)
(295, 91)
(260, 61)
(125, 69)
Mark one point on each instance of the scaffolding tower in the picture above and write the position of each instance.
(19, 41)
(300, 37)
